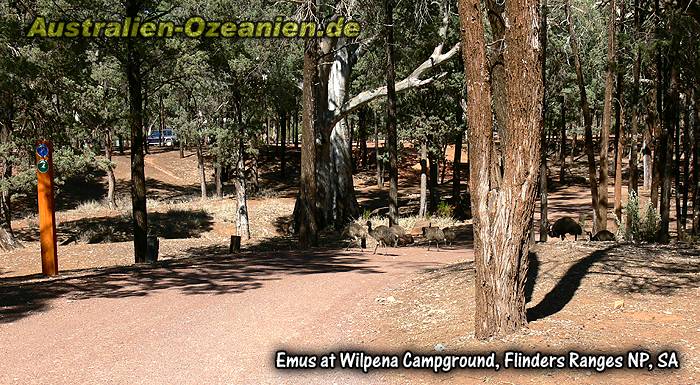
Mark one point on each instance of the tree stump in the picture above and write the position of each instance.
(153, 244)
(235, 246)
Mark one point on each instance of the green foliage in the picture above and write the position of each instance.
(444, 210)
(638, 226)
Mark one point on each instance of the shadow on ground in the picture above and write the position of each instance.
(629, 269)
(215, 272)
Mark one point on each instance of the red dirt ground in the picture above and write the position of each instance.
(203, 316)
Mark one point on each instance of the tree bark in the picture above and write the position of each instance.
(457, 164)
(696, 163)
(634, 177)
(562, 144)
(423, 208)
(666, 152)
(202, 170)
(587, 120)
(503, 204)
(111, 180)
(378, 157)
(283, 148)
(218, 180)
(138, 177)
(601, 222)
(362, 133)
(544, 221)
(392, 135)
(7, 237)
(306, 204)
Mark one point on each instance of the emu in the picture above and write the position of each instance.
(601, 236)
(382, 235)
(564, 226)
(357, 234)
(401, 237)
(433, 234)
(450, 234)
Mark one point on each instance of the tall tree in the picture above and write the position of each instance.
(138, 176)
(392, 136)
(544, 223)
(599, 210)
(503, 198)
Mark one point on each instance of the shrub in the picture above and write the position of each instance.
(638, 227)
(444, 210)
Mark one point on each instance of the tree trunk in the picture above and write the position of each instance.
(7, 237)
(306, 203)
(296, 129)
(121, 144)
(242, 223)
(696, 163)
(544, 222)
(362, 134)
(433, 181)
(587, 121)
(456, 177)
(634, 177)
(202, 170)
(378, 157)
(218, 180)
(503, 204)
(601, 220)
(391, 113)
(283, 149)
(666, 152)
(423, 208)
(619, 124)
(562, 145)
(138, 177)
(111, 180)
(687, 151)
(677, 176)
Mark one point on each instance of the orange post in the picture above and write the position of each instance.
(47, 215)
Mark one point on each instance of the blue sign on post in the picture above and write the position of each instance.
(42, 150)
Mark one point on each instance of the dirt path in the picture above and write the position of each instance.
(214, 321)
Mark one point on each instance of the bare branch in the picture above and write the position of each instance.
(413, 80)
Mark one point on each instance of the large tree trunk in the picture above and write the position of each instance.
(619, 125)
(687, 151)
(7, 238)
(306, 203)
(544, 222)
(634, 177)
(391, 113)
(696, 163)
(587, 118)
(138, 177)
(503, 204)
(423, 208)
(601, 220)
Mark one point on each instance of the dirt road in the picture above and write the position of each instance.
(213, 320)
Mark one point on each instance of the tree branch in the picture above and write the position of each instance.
(411, 81)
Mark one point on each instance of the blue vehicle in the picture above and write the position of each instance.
(168, 138)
